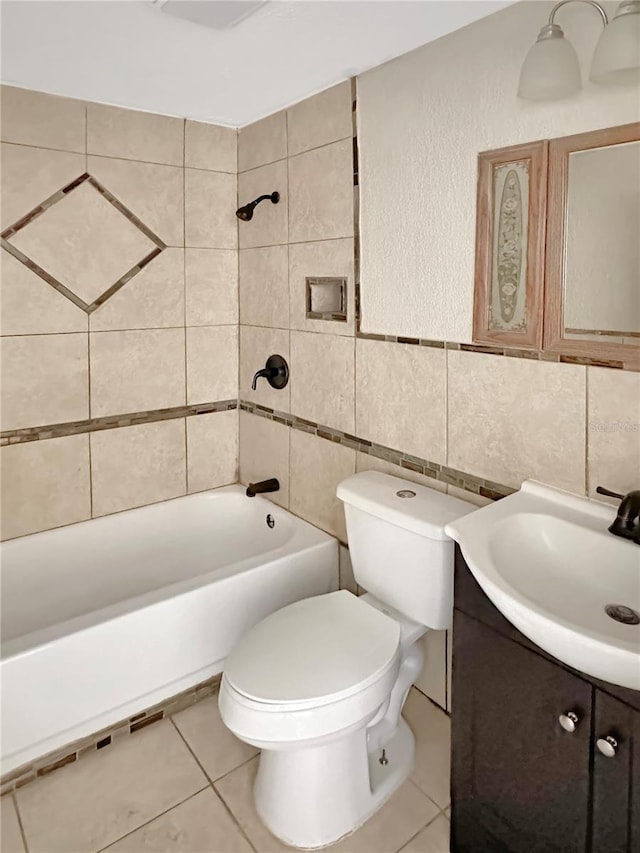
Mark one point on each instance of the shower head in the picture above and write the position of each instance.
(246, 213)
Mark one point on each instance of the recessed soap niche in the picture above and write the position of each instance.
(326, 298)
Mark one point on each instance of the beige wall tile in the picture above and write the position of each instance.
(137, 465)
(317, 466)
(270, 223)
(45, 380)
(256, 345)
(44, 484)
(613, 431)
(321, 193)
(31, 175)
(137, 371)
(212, 363)
(365, 462)
(325, 258)
(211, 277)
(511, 419)
(347, 579)
(264, 286)
(133, 135)
(470, 497)
(210, 206)
(262, 142)
(264, 453)
(209, 146)
(30, 306)
(401, 399)
(199, 823)
(432, 681)
(91, 803)
(154, 298)
(84, 242)
(212, 450)
(34, 118)
(322, 377)
(324, 118)
(152, 192)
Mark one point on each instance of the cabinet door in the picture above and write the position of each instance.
(520, 782)
(616, 777)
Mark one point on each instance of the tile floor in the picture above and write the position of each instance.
(184, 785)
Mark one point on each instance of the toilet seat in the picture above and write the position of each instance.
(311, 670)
(314, 652)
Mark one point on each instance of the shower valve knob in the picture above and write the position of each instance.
(275, 371)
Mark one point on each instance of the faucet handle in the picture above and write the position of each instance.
(602, 491)
(275, 371)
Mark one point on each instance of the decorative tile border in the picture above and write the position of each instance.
(441, 473)
(38, 433)
(105, 737)
(89, 308)
(535, 355)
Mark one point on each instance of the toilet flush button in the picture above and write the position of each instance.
(405, 493)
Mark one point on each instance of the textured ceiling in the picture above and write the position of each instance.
(131, 54)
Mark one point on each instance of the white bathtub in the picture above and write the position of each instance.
(107, 617)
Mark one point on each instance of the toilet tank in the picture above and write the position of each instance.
(399, 550)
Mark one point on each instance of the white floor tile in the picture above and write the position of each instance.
(200, 824)
(10, 835)
(433, 839)
(396, 822)
(89, 804)
(212, 743)
(432, 729)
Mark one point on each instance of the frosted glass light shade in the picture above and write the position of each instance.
(550, 70)
(617, 55)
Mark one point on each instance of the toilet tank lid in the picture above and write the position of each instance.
(424, 511)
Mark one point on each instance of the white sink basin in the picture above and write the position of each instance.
(547, 561)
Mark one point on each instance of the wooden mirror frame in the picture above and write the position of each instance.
(554, 340)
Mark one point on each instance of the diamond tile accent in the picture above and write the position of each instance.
(83, 242)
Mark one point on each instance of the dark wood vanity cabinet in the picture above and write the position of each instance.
(521, 783)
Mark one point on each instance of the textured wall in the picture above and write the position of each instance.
(422, 119)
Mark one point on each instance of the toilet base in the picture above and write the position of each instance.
(311, 798)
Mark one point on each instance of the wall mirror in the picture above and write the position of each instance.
(586, 189)
(592, 280)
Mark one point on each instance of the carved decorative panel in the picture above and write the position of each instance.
(510, 246)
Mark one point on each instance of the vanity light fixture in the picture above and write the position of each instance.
(551, 69)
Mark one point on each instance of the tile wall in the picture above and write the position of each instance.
(478, 423)
(119, 309)
(307, 154)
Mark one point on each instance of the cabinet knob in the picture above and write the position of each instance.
(568, 721)
(608, 746)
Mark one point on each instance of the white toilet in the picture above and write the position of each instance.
(319, 685)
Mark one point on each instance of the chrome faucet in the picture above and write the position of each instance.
(627, 522)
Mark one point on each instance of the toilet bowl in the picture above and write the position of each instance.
(319, 686)
(315, 703)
